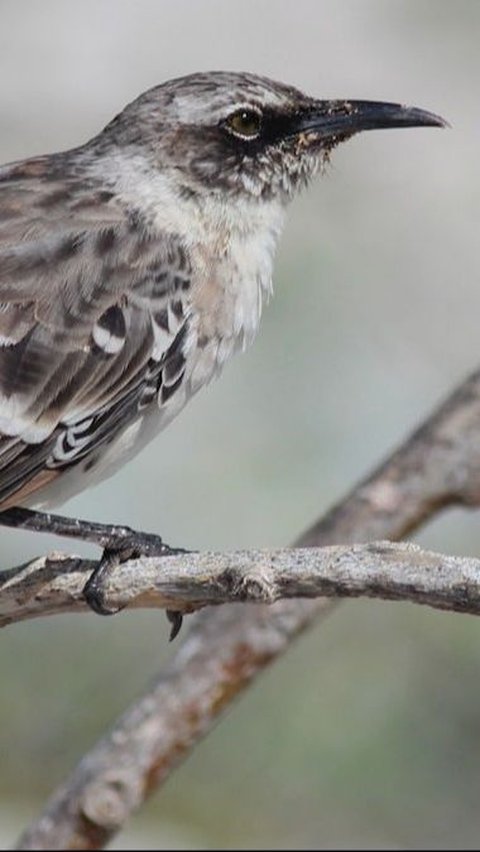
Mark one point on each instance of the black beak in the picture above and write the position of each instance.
(339, 118)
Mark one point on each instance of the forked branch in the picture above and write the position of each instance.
(226, 647)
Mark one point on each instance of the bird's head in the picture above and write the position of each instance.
(240, 135)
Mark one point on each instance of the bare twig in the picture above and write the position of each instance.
(227, 647)
(192, 581)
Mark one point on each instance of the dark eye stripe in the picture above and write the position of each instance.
(275, 125)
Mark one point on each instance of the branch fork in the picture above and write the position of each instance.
(227, 647)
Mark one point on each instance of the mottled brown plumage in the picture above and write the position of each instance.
(132, 267)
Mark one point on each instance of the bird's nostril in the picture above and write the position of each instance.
(340, 108)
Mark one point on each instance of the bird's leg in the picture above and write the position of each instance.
(119, 544)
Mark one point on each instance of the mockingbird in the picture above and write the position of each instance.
(134, 266)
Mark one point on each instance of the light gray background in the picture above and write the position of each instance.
(367, 734)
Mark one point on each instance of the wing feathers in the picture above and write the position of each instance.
(90, 304)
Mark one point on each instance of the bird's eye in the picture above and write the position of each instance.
(245, 123)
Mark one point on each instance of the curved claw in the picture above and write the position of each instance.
(93, 590)
(128, 545)
(93, 595)
(176, 620)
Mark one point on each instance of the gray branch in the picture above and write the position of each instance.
(227, 647)
(191, 581)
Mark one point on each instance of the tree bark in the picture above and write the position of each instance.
(192, 581)
(226, 647)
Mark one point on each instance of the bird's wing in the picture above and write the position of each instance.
(93, 320)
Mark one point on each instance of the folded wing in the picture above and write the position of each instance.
(94, 321)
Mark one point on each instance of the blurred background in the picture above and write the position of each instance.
(367, 734)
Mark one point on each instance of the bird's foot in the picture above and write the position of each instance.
(128, 545)
(119, 544)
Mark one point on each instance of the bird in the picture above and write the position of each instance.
(133, 266)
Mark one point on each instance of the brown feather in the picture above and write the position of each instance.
(79, 291)
(40, 480)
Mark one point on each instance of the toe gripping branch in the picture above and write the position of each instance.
(125, 544)
(119, 543)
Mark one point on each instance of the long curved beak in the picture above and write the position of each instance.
(338, 118)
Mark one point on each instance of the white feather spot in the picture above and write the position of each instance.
(7, 341)
(109, 343)
(162, 340)
(21, 427)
